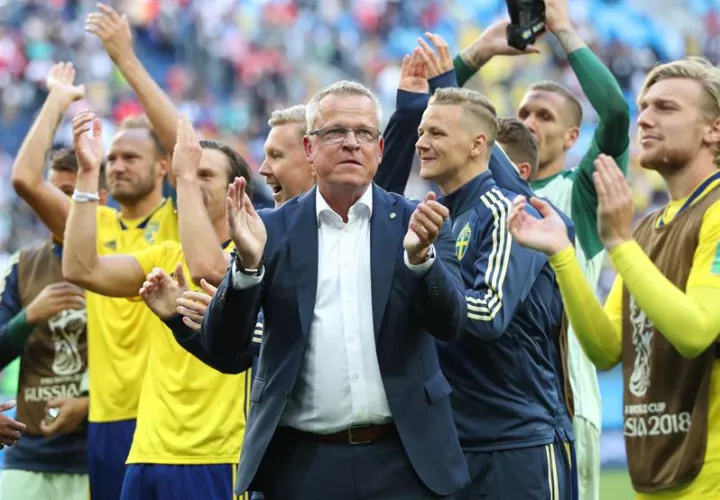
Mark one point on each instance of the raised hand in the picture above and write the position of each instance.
(615, 203)
(247, 229)
(437, 63)
(414, 73)
(73, 413)
(87, 138)
(557, 15)
(60, 83)
(192, 305)
(113, 31)
(160, 292)
(547, 235)
(52, 299)
(10, 430)
(492, 42)
(425, 224)
(187, 152)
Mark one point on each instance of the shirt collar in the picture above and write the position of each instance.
(468, 195)
(361, 208)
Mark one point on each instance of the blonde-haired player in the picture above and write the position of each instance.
(661, 320)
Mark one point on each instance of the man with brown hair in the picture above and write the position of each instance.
(519, 144)
(506, 367)
(661, 319)
(43, 322)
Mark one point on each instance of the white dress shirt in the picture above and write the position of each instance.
(339, 384)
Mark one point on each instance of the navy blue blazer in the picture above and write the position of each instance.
(407, 310)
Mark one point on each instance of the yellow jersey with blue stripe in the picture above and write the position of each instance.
(118, 340)
(189, 413)
(705, 272)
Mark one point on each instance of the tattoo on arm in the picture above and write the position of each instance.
(570, 40)
(474, 58)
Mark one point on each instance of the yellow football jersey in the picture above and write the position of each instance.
(118, 340)
(189, 413)
(707, 483)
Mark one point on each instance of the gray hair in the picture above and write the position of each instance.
(342, 88)
(293, 114)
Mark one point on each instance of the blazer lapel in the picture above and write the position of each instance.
(386, 235)
(303, 249)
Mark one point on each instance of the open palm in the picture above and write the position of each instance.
(247, 229)
(547, 235)
(61, 83)
(414, 74)
(87, 139)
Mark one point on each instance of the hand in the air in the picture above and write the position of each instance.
(247, 229)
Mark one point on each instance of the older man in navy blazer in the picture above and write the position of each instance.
(348, 400)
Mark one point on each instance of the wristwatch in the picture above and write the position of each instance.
(248, 272)
(430, 254)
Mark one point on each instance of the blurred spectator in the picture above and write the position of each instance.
(228, 63)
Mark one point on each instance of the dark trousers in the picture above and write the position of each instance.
(297, 467)
(108, 446)
(536, 473)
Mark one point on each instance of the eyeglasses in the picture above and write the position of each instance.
(337, 135)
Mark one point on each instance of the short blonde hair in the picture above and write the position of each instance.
(474, 103)
(293, 114)
(341, 88)
(699, 70)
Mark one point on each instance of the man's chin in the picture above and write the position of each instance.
(124, 197)
(655, 161)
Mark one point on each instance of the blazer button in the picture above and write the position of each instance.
(287, 394)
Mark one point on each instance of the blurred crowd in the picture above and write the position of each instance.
(228, 63)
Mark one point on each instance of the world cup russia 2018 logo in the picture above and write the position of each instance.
(67, 326)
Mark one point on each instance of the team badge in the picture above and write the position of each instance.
(715, 267)
(462, 242)
(150, 230)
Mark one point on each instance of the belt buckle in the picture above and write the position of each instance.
(351, 439)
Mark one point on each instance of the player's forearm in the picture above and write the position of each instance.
(191, 342)
(17, 331)
(80, 256)
(400, 136)
(440, 297)
(229, 322)
(29, 164)
(467, 64)
(202, 249)
(606, 97)
(569, 39)
(689, 321)
(599, 337)
(48, 202)
(159, 108)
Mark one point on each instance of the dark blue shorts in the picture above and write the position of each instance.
(537, 473)
(108, 447)
(170, 482)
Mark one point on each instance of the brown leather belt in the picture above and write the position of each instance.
(362, 434)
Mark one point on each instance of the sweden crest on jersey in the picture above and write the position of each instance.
(150, 229)
(462, 241)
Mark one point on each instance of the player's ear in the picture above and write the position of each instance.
(525, 171)
(163, 165)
